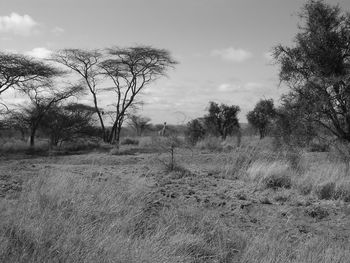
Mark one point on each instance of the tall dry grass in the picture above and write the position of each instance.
(67, 217)
(64, 218)
(324, 175)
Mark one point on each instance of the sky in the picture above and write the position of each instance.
(223, 46)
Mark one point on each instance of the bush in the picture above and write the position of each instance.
(129, 141)
(118, 151)
(13, 145)
(317, 212)
(194, 132)
(238, 163)
(305, 187)
(318, 147)
(325, 190)
(80, 145)
(271, 174)
(277, 180)
(342, 191)
(210, 143)
(153, 142)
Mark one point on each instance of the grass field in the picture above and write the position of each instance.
(217, 204)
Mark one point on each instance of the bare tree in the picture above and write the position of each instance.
(86, 64)
(16, 70)
(132, 69)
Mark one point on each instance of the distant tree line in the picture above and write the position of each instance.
(316, 69)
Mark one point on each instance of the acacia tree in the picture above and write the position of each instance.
(43, 96)
(261, 116)
(86, 64)
(139, 123)
(222, 119)
(317, 67)
(131, 70)
(16, 70)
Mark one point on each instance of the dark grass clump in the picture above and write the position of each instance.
(277, 180)
(325, 190)
(129, 141)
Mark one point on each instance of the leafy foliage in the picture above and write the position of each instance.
(262, 115)
(291, 125)
(195, 131)
(131, 70)
(222, 120)
(317, 68)
(43, 97)
(16, 70)
(69, 122)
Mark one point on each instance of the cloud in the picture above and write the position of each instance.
(57, 31)
(17, 24)
(39, 52)
(225, 87)
(232, 54)
(254, 86)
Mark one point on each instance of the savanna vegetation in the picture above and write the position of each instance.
(98, 185)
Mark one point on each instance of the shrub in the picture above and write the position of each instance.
(210, 143)
(153, 142)
(238, 163)
(305, 187)
(325, 190)
(116, 151)
(342, 191)
(271, 174)
(318, 147)
(194, 132)
(80, 145)
(277, 180)
(317, 212)
(129, 141)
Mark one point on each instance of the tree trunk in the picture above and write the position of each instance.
(32, 137)
(262, 133)
(104, 135)
(111, 136)
(23, 134)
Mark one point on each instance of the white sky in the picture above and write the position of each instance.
(222, 45)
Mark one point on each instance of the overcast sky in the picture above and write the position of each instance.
(222, 45)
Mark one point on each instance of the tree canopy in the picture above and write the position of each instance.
(17, 69)
(261, 116)
(131, 70)
(317, 67)
(222, 119)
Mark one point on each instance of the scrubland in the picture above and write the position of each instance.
(215, 202)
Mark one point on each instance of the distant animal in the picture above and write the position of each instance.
(162, 132)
